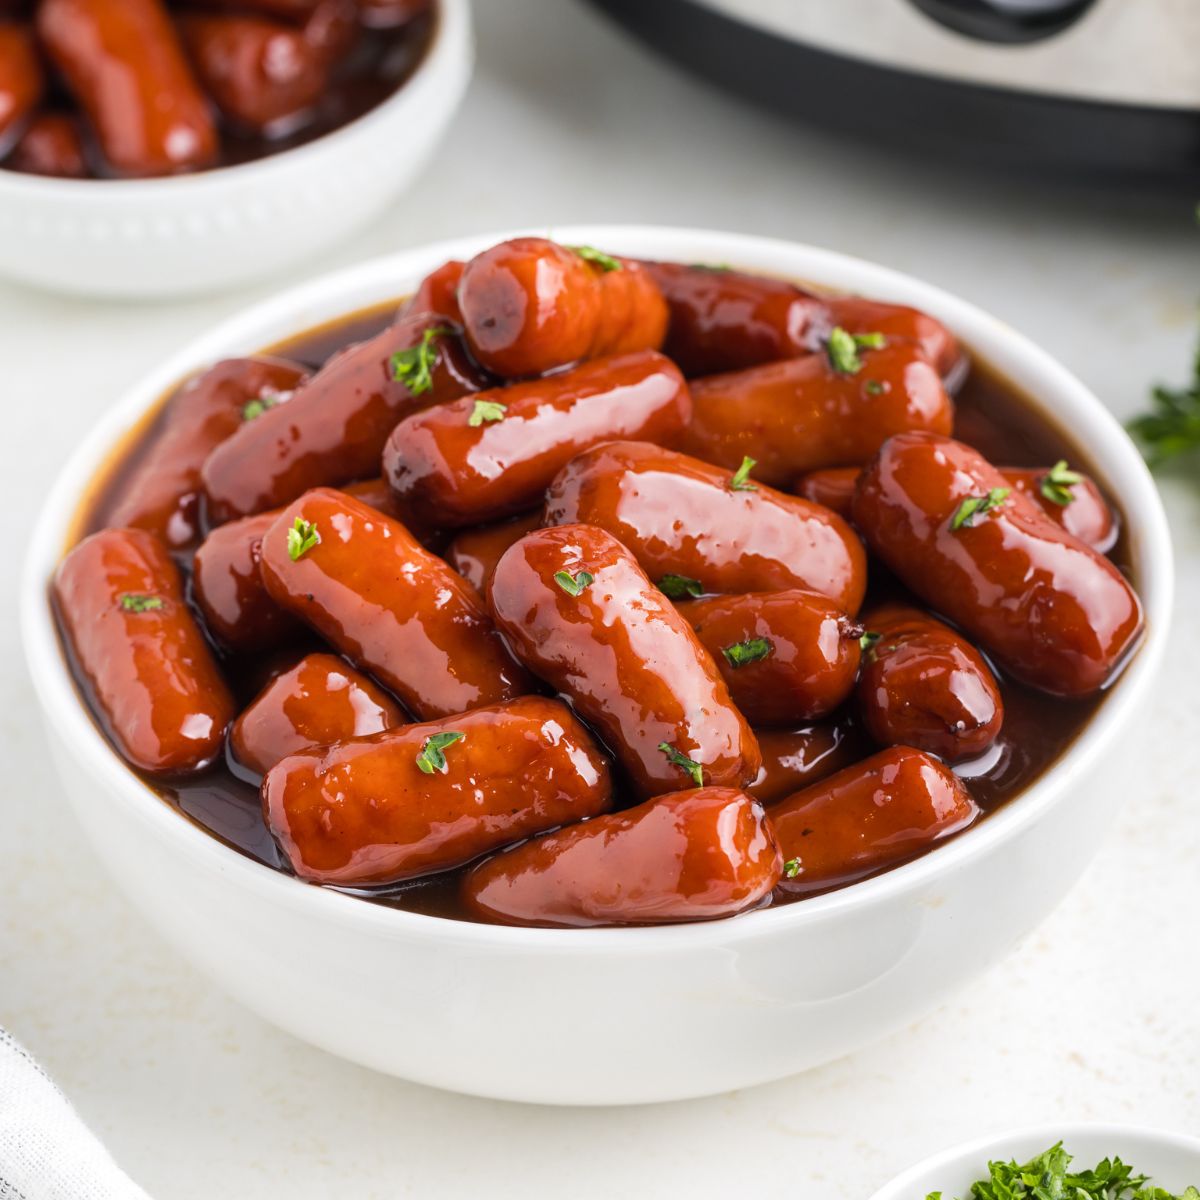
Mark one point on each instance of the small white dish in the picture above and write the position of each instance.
(1171, 1160)
(606, 1016)
(215, 229)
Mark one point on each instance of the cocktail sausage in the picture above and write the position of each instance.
(797, 758)
(475, 552)
(21, 80)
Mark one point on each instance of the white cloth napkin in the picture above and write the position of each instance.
(46, 1152)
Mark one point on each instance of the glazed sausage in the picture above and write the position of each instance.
(805, 413)
(21, 81)
(576, 608)
(492, 455)
(684, 518)
(797, 758)
(475, 552)
(438, 292)
(390, 14)
(531, 306)
(319, 701)
(162, 493)
(121, 607)
(228, 586)
(367, 812)
(294, 10)
(123, 62)
(1050, 609)
(365, 585)
(896, 322)
(832, 487)
(51, 145)
(785, 656)
(263, 75)
(868, 817)
(334, 428)
(923, 685)
(688, 856)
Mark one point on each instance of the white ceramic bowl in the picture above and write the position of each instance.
(215, 229)
(1172, 1160)
(606, 1016)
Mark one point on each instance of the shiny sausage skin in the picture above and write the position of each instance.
(923, 685)
(162, 493)
(391, 14)
(1048, 607)
(21, 80)
(294, 10)
(802, 414)
(785, 656)
(624, 657)
(680, 517)
(438, 292)
(228, 586)
(319, 701)
(832, 487)
(150, 672)
(51, 145)
(123, 62)
(264, 76)
(633, 313)
(334, 428)
(797, 758)
(857, 315)
(869, 817)
(363, 812)
(446, 471)
(389, 605)
(688, 856)
(475, 552)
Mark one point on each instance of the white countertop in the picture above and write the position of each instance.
(1094, 1017)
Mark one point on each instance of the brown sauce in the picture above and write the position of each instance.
(992, 416)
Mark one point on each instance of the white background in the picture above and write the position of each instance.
(1096, 1016)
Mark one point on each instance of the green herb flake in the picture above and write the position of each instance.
(432, 757)
(843, 349)
(414, 367)
(676, 759)
(1056, 484)
(792, 868)
(301, 538)
(717, 267)
(135, 603)
(680, 587)
(873, 387)
(969, 512)
(1049, 1177)
(486, 410)
(573, 584)
(1172, 426)
(605, 262)
(868, 640)
(752, 650)
(739, 481)
(264, 400)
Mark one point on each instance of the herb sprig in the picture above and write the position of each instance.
(486, 410)
(135, 603)
(598, 258)
(843, 349)
(752, 650)
(573, 585)
(301, 538)
(739, 481)
(973, 508)
(1172, 426)
(414, 367)
(680, 587)
(432, 757)
(1057, 483)
(678, 759)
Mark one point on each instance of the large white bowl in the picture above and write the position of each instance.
(1172, 1160)
(606, 1016)
(215, 229)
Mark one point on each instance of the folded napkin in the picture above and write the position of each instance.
(46, 1152)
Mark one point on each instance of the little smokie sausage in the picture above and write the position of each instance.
(52, 144)
(21, 80)
(390, 14)
(816, 411)
(492, 455)
(162, 493)
(531, 306)
(832, 486)
(366, 585)
(870, 816)
(896, 322)
(475, 552)
(123, 62)
(688, 856)
(319, 701)
(1048, 607)
(121, 606)
(424, 798)
(797, 758)
(702, 529)
(438, 292)
(923, 685)
(579, 612)
(334, 428)
(785, 656)
(294, 10)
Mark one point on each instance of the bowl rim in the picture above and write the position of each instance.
(1064, 398)
(451, 24)
(990, 1147)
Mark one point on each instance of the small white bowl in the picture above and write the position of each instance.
(1171, 1160)
(198, 233)
(606, 1016)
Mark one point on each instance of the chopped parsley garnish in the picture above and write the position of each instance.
(791, 868)
(1056, 484)
(605, 262)
(675, 758)
(873, 387)
(739, 481)
(680, 587)
(573, 584)
(414, 367)
(486, 410)
(968, 513)
(301, 538)
(431, 757)
(134, 603)
(259, 405)
(868, 640)
(1172, 426)
(752, 650)
(843, 349)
